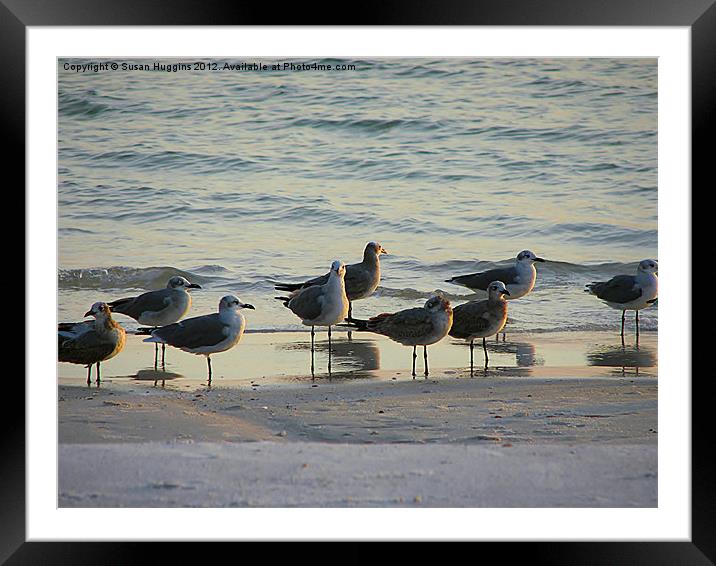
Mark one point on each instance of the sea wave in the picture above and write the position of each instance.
(120, 277)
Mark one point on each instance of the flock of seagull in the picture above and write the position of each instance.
(328, 301)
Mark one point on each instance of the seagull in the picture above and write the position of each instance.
(519, 278)
(480, 319)
(421, 326)
(208, 334)
(361, 278)
(91, 341)
(630, 292)
(158, 308)
(325, 304)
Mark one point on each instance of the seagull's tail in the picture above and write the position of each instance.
(288, 286)
(285, 300)
(354, 323)
(592, 288)
(119, 304)
(151, 332)
(458, 280)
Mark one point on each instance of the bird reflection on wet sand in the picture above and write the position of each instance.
(354, 358)
(624, 357)
(155, 375)
(525, 357)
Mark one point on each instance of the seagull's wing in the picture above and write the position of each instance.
(470, 318)
(320, 280)
(619, 289)
(207, 330)
(69, 330)
(152, 301)
(307, 303)
(410, 323)
(358, 279)
(508, 275)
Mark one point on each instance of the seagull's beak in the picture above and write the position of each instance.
(540, 259)
(248, 306)
(194, 286)
(506, 292)
(88, 313)
(383, 251)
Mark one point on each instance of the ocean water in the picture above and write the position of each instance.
(237, 179)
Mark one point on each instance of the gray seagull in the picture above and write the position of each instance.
(519, 279)
(414, 327)
(480, 319)
(361, 279)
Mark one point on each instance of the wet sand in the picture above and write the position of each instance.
(570, 435)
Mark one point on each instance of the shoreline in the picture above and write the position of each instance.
(284, 358)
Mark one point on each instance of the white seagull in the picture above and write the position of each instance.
(321, 305)
(208, 334)
(158, 308)
(519, 279)
(630, 292)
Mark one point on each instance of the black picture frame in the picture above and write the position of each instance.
(699, 15)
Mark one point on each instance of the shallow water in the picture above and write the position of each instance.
(237, 180)
(276, 359)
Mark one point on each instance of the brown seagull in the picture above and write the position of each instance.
(90, 342)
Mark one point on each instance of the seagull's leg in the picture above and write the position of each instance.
(329, 348)
(313, 335)
(425, 358)
(164, 347)
(89, 374)
(636, 318)
(484, 347)
(98, 377)
(472, 346)
(623, 315)
(208, 363)
(415, 355)
(350, 318)
(156, 352)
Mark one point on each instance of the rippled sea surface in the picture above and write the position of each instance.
(238, 179)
